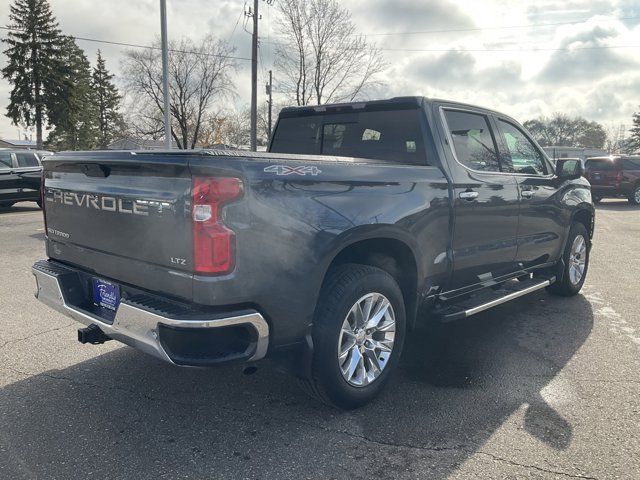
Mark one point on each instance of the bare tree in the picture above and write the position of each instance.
(321, 57)
(615, 140)
(561, 129)
(235, 128)
(199, 75)
(633, 143)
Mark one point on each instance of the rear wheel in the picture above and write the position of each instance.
(576, 263)
(634, 198)
(358, 335)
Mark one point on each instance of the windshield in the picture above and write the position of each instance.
(394, 136)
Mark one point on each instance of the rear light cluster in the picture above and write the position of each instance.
(214, 244)
(42, 199)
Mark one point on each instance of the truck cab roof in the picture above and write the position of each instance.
(394, 103)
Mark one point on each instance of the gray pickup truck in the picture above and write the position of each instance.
(363, 221)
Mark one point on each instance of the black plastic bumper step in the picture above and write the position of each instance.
(489, 298)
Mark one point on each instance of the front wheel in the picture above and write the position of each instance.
(634, 198)
(575, 263)
(358, 334)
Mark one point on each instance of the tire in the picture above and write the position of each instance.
(570, 284)
(634, 198)
(345, 287)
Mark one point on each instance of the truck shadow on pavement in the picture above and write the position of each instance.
(20, 208)
(125, 415)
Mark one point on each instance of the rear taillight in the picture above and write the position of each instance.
(42, 198)
(214, 244)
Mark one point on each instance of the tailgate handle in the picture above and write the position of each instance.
(96, 170)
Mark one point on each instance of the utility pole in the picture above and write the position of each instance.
(254, 77)
(165, 73)
(269, 88)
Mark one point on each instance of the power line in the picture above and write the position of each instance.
(237, 21)
(504, 27)
(598, 47)
(150, 47)
(462, 50)
(134, 45)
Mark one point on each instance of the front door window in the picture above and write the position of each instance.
(524, 156)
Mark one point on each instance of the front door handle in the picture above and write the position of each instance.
(526, 193)
(468, 195)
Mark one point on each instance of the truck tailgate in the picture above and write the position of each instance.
(122, 214)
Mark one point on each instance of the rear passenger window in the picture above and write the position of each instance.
(631, 164)
(525, 157)
(601, 165)
(472, 140)
(27, 160)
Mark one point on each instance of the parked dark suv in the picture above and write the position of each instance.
(20, 172)
(614, 177)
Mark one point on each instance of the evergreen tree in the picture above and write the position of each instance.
(74, 113)
(634, 138)
(110, 121)
(34, 44)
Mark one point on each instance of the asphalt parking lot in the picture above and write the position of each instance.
(543, 387)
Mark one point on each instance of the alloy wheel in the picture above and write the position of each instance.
(366, 339)
(577, 259)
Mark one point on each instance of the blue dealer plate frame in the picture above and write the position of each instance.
(105, 294)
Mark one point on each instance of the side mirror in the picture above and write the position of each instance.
(569, 168)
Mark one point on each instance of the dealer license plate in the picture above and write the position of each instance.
(106, 294)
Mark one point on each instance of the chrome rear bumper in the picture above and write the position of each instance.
(138, 327)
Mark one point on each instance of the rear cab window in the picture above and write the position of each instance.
(631, 163)
(390, 135)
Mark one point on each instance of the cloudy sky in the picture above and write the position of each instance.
(524, 58)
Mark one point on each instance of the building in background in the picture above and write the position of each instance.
(130, 143)
(557, 151)
(18, 144)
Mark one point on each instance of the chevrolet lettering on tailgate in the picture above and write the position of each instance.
(106, 203)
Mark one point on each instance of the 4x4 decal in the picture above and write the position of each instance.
(288, 170)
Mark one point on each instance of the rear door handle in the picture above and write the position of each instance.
(468, 195)
(526, 193)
